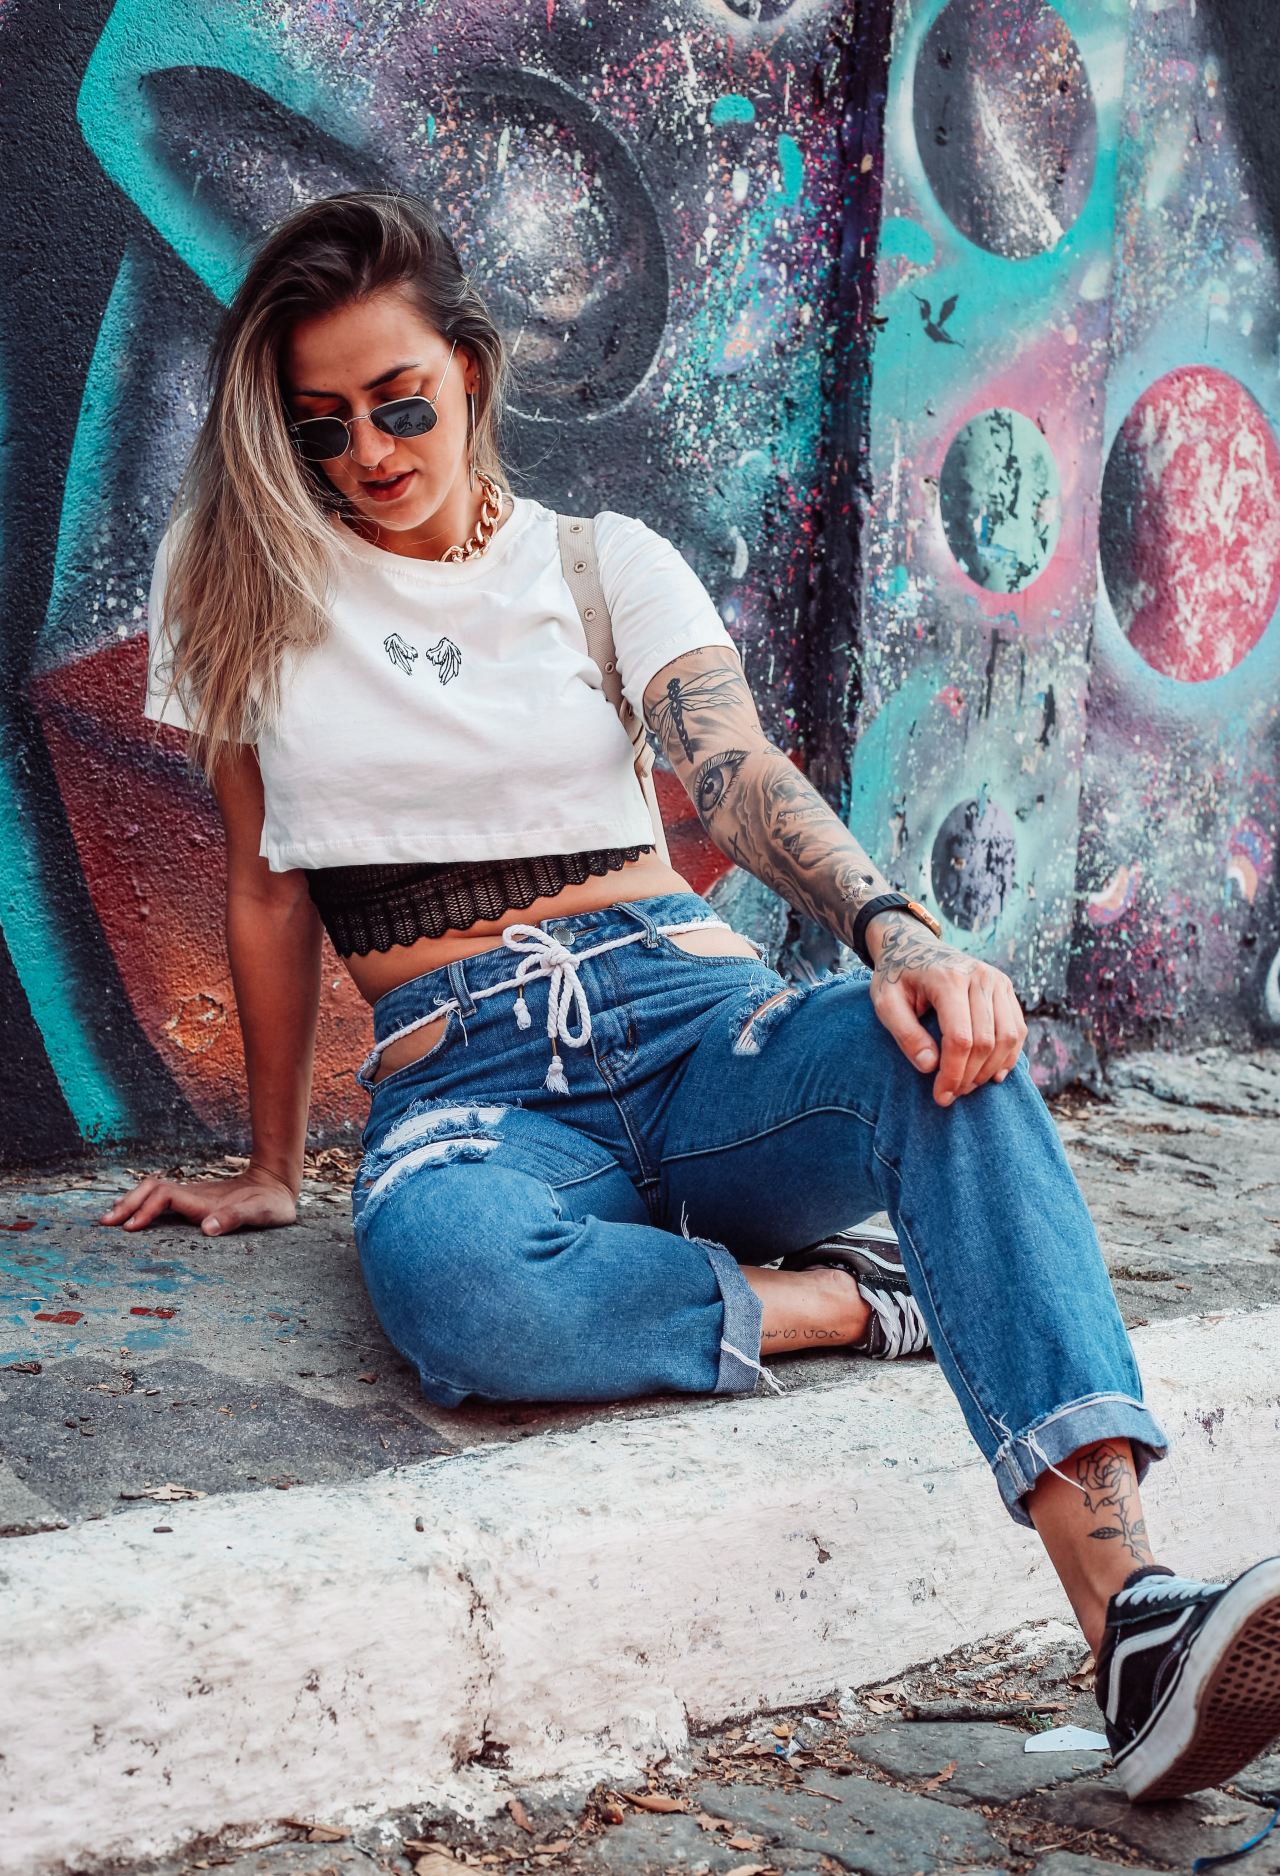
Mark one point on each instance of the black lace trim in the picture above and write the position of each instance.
(371, 908)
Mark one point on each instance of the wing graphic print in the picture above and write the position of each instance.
(446, 658)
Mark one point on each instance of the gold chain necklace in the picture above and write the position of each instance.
(483, 532)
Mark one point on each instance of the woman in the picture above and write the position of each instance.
(378, 659)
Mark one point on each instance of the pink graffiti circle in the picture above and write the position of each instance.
(1190, 524)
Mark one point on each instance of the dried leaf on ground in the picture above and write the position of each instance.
(743, 1840)
(1083, 1676)
(705, 1821)
(436, 1863)
(654, 1801)
(518, 1814)
(940, 1778)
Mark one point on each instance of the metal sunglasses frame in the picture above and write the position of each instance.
(305, 423)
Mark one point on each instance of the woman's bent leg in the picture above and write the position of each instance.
(803, 1122)
(509, 1257)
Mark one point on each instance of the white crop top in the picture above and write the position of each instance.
(453, 711)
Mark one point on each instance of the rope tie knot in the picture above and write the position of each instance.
(548, 956)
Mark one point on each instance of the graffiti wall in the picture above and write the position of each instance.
(941, 337)
(669, 212)
(1068, 732)
(1180, 919)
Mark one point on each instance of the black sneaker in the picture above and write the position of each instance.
(870, 1253)
(1188, 1678)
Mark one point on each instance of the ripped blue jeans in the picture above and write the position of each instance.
(554, 1202)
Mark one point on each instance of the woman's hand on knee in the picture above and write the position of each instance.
(254, 1200)
(983, 1028)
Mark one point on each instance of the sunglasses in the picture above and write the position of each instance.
(320, 439)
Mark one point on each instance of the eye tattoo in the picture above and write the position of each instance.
(713, 779)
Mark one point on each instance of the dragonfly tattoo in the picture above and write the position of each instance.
(684, 697)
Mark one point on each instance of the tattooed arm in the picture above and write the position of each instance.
(759, 810)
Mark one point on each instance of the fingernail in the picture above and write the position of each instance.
(925, 1059)
(945, 1100)
(211, 1224)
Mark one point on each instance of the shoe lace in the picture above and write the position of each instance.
(900, 1320)
(1163, 1589)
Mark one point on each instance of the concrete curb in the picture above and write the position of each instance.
(572, 1605)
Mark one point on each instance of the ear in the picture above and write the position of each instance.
(465, 357)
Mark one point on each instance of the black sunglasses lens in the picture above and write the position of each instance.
(405, 416)
(319, 438)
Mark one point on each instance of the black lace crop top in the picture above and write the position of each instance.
(371, 908)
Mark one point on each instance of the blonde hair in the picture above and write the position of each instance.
(253, 547)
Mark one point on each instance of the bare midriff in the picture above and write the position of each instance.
(646, 877)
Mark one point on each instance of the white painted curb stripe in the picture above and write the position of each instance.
(578, 1597)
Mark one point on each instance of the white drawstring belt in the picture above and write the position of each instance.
(545, 956)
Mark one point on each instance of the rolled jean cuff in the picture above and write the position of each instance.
(740, 1366)
(1025, 1457)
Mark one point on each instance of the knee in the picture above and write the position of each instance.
(1014, 1103)
(462, 1275)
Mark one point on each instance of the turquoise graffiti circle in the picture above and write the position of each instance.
(998, 495)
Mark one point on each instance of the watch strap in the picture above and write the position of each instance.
(883, 902)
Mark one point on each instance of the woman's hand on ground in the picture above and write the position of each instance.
(983, 1028)
(254, 1200)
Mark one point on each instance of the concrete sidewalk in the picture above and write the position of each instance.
(372, 1602)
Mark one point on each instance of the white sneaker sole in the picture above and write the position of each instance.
(1223, 1707)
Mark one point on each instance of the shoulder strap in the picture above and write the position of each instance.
(581, 566)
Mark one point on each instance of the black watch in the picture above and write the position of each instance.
(888, 902)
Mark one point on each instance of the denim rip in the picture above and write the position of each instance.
(432, 1133)
(752, 1023)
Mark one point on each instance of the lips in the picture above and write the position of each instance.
(386, 488)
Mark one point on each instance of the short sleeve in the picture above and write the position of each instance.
(658, 605)
(161, 708)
